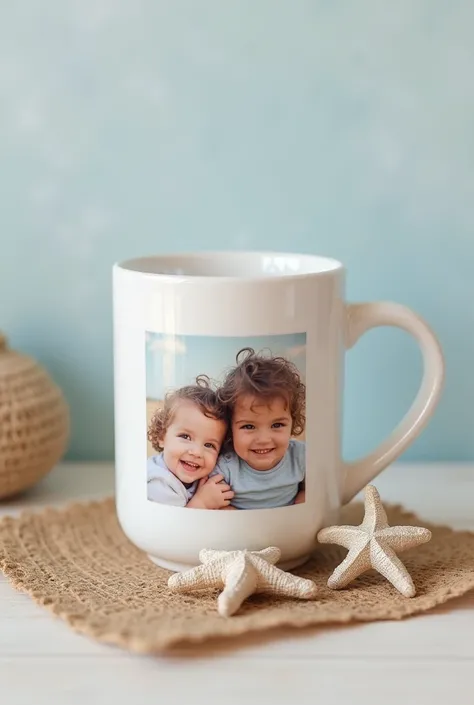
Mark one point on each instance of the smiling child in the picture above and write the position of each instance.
(265, 397)
(188, 432)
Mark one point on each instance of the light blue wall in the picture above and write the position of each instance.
(341, 128)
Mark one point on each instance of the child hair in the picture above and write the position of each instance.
(200, 393)
(267, 378)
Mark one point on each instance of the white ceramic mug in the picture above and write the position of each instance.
(240, 295)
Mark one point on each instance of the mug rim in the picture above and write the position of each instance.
(316, 265)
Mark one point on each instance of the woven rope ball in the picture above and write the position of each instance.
(34, 421)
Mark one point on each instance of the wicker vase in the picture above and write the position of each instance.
(34, 421)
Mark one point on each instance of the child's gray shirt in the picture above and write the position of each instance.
(262, 489)
(164, 487)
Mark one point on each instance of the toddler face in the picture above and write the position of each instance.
(192, 442)
(261, 431)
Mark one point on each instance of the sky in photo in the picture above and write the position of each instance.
(174, 361)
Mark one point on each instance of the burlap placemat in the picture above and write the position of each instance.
(77, 562)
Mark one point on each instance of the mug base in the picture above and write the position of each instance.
(181, 567)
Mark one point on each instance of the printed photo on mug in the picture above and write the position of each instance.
(226, 421)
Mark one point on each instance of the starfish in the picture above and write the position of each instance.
(241, 573)
(373, 544)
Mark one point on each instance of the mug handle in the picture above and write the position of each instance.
(360, 318)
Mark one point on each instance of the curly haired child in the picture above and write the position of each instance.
(265, 397)
(188, 433)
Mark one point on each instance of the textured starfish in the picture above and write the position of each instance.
(374, 544)
(241, 573)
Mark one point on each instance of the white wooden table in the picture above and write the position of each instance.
(425, 659)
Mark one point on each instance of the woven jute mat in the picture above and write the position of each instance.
(77, 562)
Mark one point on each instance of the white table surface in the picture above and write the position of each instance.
(424, 659)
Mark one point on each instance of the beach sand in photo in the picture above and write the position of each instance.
(151, 406)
